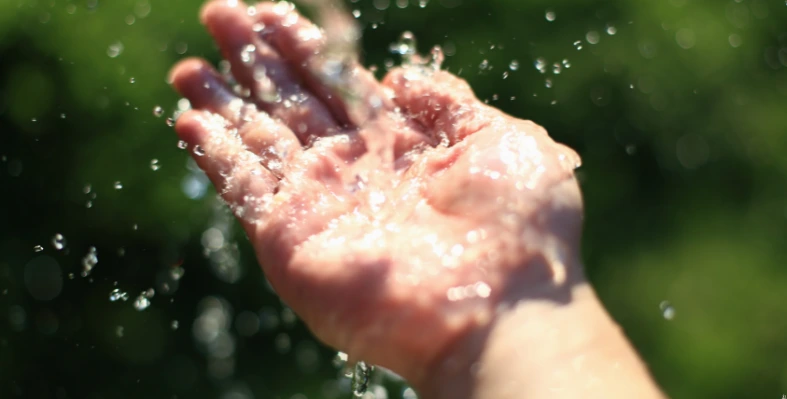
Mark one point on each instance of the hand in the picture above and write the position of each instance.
(395, 220)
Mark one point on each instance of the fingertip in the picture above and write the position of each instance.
(216, 8)
(201, 84)
(224, 17)
(190, 127)
(185, 72)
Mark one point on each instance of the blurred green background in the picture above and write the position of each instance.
(678, 108)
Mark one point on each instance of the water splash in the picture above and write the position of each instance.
(89, 261)
(361, 379)
(118, 295)
(540, 64)
(142, 301)
(58, 242)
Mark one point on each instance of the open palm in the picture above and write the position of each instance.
(392, 219)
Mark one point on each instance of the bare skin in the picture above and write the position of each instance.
(412, 227)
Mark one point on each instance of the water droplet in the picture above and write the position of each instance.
(170, 122)
(158, 111)
(154, 166)
(557, 68)
(423, 3)
(566, 64)
(181, 47)
(247, 55)
(174, 325)
(578, 45)
(90, 260)
(548, 83)
(436, 58)
(406, 47)
(357, 13)
(58, 242)
(119, 331)
(142, 302)
(198, 151)
(132, 80)
(505, 75)
(182, 144)
(611, 30)
(550, 15)
(735, 40)
(592, 37)
(63, 115)
(118, 295)
(38, 248)
(266, 89)
(258, 27)
(177, 273)
(115, 49)
(541, 65)
(118, 185)
(667, 311)
(409, 393)
(484, 65)
(340, 359)
(514, 65)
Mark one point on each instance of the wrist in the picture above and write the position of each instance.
(558, 341)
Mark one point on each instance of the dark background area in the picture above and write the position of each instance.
(678, 108)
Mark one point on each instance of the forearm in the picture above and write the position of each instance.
(543, 348)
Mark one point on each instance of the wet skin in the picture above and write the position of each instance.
(405, 224)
